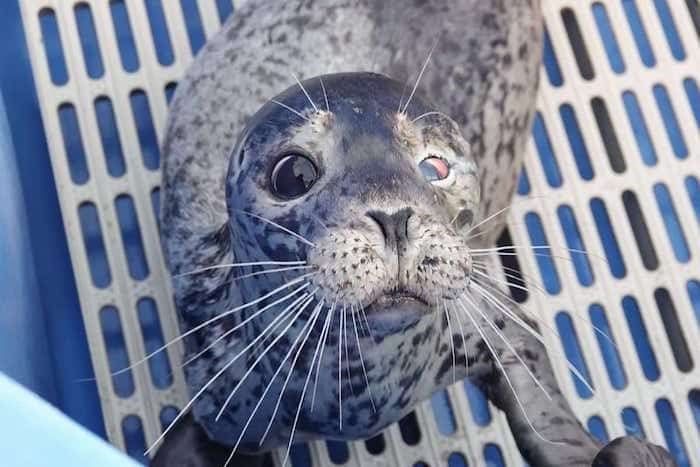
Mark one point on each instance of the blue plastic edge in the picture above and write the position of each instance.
(54, 302)
(40, 435)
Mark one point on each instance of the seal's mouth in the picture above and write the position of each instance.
(395, 311)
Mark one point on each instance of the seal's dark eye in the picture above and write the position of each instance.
(434, 169)
(292, 176)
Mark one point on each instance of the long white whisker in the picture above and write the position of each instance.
(273, 223)
(420, 75)
(537, 335)
(206, 386)
(325, 96)
(347, 353)
(503, 253)
(427, 114)
(282, 104)
(240, 265)
(308, 300)
(270, 271)
(213, 320)
(513, 351)
(305, 93)
(501, 367)
(464, 340)
(362, 363)
(301, 399)
(363, 316)
(314, 317)
(324, 337)
(340, 369)
(541, 290)
(499, 212)
(247, 320)
(452, 345)
(540, 247)
(269, 384)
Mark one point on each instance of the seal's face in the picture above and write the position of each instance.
(371, 205)
(383, 197)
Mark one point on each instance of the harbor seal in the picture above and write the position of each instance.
(324, 234)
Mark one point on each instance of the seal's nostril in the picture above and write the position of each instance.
(401, 218)
(384, 222)
(394, 227)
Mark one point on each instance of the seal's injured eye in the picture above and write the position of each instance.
(434, 169)
(292, 176)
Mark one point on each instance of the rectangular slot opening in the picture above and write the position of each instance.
(131, 237)
(88, 41)
(641, 232)
(158, 364)
(673, 226)
(94, 245)
(546, 153)
(676, 338)
(109, 135)
(148, 140)
(574, 354)
(125, 36)
(646, 54)
(608, 135)
(578, 44)
(73, 144)
(542, 253)
(113, 335)
(638, 331)
(193, 24)
(53, 47)
(607, 37)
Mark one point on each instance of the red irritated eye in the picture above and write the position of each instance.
(434, 169)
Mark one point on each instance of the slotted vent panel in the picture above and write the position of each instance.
(612, 170)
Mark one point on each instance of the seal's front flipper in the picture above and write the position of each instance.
(187, 445)
(629, 450)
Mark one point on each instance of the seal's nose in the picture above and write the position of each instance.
(394, 226)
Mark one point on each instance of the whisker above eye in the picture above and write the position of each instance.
(325, 95)
(304, 91)
(420, 75)
(285, 106)
(427, 114)
(275, 224)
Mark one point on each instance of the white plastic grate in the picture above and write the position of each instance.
(617, 135)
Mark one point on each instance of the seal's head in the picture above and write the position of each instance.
(382, 194)
(368, 192)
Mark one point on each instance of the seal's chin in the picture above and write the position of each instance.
(395, 312)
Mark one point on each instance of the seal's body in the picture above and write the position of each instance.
(364, 196)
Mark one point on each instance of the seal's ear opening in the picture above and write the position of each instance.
(187, 445)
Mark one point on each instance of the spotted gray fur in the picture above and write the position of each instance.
(223, 135)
